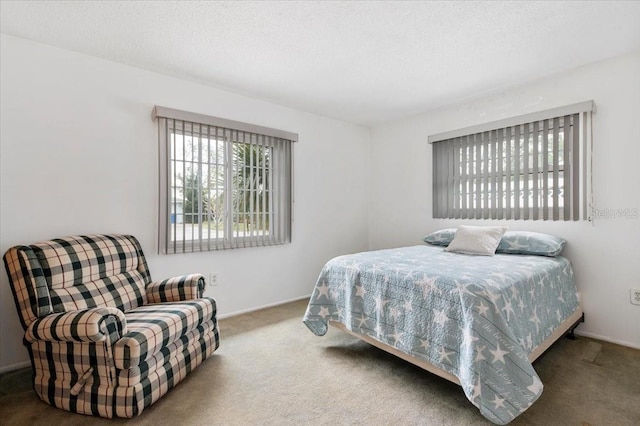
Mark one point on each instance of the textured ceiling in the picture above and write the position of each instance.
(362, 62)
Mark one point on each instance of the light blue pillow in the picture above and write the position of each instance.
(523, 242)
(440, 238)
(512, 242)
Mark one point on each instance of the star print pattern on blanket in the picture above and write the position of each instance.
(475, 317)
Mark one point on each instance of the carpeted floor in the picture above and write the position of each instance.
(270, 370)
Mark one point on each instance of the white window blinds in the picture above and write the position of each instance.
(533, 167)
(223, 184)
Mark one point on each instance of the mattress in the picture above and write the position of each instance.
(477, 318)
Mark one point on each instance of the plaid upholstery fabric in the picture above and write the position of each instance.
(80, 326)
(176, 289)
(153, 327)
(60, 366)
(139, 373)
(92, 271)
(96, 346)
(123, 291)
(28, 285)
(166, 369)
(109, 392)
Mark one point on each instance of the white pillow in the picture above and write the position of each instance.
(482, 240)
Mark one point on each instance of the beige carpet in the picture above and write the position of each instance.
(270, 370)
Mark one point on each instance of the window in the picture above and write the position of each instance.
(223, 184)
(533, 167)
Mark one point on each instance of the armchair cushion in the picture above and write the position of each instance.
(152, 327)
(206, 333)
(88, 325)
(186, 287)
(93, 270)
(77, 260)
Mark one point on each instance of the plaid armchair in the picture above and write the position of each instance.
(103, 338)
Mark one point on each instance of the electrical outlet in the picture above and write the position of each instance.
(213, 279)
(635, 296)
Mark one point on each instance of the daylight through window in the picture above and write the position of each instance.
(534, 167)
(223, 184)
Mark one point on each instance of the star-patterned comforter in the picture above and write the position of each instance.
(476, 317)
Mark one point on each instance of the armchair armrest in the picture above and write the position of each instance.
(87, 325)
(177, 289)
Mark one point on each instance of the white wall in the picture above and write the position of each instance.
(605, 254)
(79, 155)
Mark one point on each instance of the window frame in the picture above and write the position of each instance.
(511, 140)
(228, 134)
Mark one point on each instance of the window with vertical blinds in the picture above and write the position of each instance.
(533, 167)
(223, 184)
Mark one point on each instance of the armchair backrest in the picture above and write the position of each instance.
(77, 272)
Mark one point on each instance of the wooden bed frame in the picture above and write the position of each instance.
(566, 328)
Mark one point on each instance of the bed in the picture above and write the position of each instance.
(479, 321)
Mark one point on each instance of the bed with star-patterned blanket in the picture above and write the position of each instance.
(477, 318)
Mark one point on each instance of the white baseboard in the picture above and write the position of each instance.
(607, 339)
(13, 367)
(270, 305)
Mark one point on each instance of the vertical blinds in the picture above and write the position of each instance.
(222, 187)
(528, 168)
